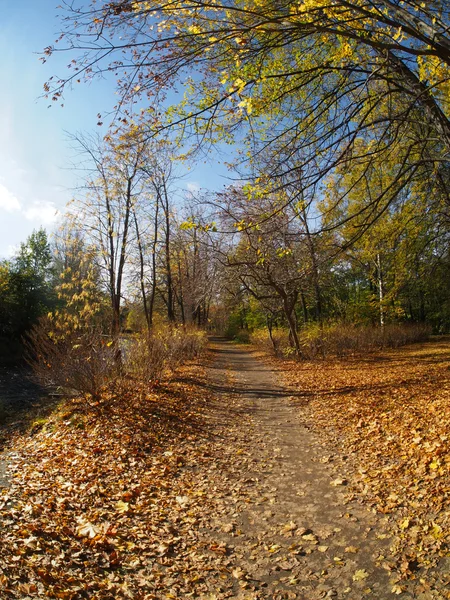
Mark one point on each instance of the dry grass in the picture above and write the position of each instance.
(340, 340)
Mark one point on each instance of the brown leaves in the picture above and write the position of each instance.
(389, 415)
(111, 508)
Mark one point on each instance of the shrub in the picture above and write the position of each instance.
(242, 336)
(81, 361)
(85, 361)
(149, 356)
(277, 345)
(341, 339)
(145, 358)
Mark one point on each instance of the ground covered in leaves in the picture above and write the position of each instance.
(386, 421)
(222, 484)
(108, 501)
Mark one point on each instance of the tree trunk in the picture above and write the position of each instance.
(154, 248)
(269, 323)
(380, 290)
(142, 273)
(315, 268)
(304, 307)
(169, 281)
(288, 308)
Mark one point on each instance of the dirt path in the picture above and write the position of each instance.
(216, 488)
(296, 536)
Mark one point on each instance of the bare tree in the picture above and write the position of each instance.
(107, 208)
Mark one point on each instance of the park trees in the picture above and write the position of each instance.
(127, 211)
(347, 100)
(124, 208)
(106, 210)
(81, 299)
(275, 255)
(26, 292)
(307, 74)
(30, 285)
(398, 256)
(198, 252)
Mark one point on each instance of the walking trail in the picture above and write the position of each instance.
(296, 536)
(238, 498)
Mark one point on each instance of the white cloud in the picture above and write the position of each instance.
(42, 211)
(8, 201)
(193, 186)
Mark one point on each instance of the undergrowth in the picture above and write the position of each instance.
(86, 362)
(340, 340)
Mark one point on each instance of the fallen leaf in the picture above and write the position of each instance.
(86, 529)
(360, 575)
(122, 507)
(338, 481)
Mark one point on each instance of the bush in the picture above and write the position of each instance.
(341, 339)
(149, 356)
(344, 340)
(278, 344)
(82, 361)
(242, 336)
(85, 362)
(145, 358)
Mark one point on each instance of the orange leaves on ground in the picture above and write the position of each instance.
(106, 502)
(388, 419)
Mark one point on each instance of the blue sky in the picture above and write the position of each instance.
(36, 181)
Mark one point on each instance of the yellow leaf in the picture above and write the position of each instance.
(360, 574)
(405, 523)
(122, 507)
(396, 589)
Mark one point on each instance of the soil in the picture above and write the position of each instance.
(299, 536)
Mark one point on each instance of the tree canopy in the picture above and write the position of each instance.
(300, 78)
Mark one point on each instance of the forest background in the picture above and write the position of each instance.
(333, 237)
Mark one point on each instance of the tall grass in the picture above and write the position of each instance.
(341, 340)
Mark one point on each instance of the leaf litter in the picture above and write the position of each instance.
(384, 422)
(109, 502)
(173, 493)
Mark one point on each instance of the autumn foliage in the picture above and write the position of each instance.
(80, 361)
(85, 361)
(86, 513)
(341, 340)
(384, 420)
